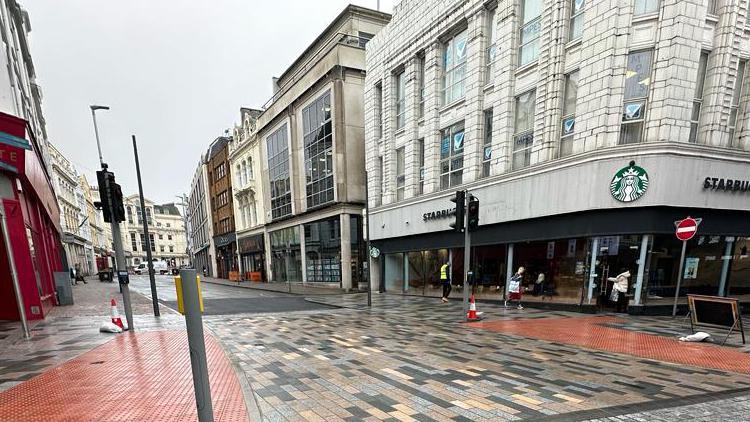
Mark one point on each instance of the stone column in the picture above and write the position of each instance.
(346, 251)
(268, 254)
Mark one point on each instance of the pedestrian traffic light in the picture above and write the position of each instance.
(460, 201)
(118, 209)
(472, 210)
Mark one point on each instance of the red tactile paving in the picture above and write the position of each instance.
(135, 377)
(589, 332)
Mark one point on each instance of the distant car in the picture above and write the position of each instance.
(159, 267)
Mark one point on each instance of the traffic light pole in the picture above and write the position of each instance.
(119, 256)
(467, 258)
(149, 260)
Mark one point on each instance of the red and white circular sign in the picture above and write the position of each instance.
(686, 229)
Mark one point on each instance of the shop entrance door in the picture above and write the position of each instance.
(617, 255)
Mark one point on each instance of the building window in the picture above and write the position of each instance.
(698, 97)
(576, 18)
(239, 175)
(523, 129)
(644, 7)
(487, 146)
(161, 248)
(379, 110)
(317, 129)
(736, 95)
(454, 67)
(421, 69)
(400, 99)
(169, 237)
(491, 48)
(400, 174)
(169, 225)
(171, 248)
(130, 214)
(151, 241)
(250, 173)
(452, 156)
(568, 124)
(161, 237)
(713, 7)
(420, 162)
(133, 243)
(278, 173)
(381, 174)
(531, 28)
(637, 82)
(220, 171)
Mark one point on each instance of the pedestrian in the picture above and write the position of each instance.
(539, 285)
(619, 293)
(204, 271)
(72, 275)
(445, 279)
(514, 287)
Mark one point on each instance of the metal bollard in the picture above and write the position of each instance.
(194, 323)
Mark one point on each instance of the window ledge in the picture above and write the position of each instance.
(646, 17)
(527, 67)
(420, 121)
(489, 86)
(456, 103)
(400, 131)
(574, 43)
(710, 17)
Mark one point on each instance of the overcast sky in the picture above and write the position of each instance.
(174, 72)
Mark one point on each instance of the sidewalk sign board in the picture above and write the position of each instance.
(715, 312)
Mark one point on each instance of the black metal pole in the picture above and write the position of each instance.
(367, 230)
(154, 297)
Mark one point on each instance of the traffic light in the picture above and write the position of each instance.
(103, 203)
(106, 178)
(460, 201)
(473, 213)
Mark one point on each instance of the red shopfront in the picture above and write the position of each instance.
(33, 218)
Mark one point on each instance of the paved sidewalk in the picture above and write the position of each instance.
(68, 353)
(293, 288)
(412, 359)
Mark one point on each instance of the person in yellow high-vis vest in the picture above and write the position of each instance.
(446, 280)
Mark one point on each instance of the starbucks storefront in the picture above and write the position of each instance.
(574, 236)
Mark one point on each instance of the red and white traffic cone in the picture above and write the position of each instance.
(116, 315)
(473, 315)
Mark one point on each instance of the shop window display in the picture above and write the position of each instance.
(562, 264)
(739, 274)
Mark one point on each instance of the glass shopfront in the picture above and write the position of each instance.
(286, 255)
(253, 258)
(323, 251)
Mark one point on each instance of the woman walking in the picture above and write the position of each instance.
(514, 287)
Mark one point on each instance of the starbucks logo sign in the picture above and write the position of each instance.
(629, 183)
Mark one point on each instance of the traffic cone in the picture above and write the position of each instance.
(472, 315)
(116, 315)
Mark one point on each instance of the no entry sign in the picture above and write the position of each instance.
(686, 228)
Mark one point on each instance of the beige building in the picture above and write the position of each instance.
(311, 141)
(95, 221)
(76, 236)
(166, 229)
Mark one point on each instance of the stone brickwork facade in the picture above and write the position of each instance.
(676, 32)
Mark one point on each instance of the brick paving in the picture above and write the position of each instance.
(134, 377)
(411, 359)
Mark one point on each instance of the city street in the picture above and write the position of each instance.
(412, 358)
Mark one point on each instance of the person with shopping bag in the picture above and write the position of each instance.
(514, 287)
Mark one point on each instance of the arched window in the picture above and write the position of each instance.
(239, 175)
(253, 212)
(250, 168)
(244, 173)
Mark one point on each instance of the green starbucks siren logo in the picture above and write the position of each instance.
(629, 183)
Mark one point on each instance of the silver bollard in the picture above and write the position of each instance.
(194, 323)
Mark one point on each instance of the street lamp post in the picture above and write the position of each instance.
(116, 236)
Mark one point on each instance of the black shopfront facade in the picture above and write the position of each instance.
(251, 249)
(576, 254)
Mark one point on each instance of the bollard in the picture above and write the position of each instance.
(194, 323)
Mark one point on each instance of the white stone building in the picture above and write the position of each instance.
(76, 236)
(249, 212)
(534, 106)
(166, 229)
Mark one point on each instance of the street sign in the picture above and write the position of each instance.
(686, 229)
